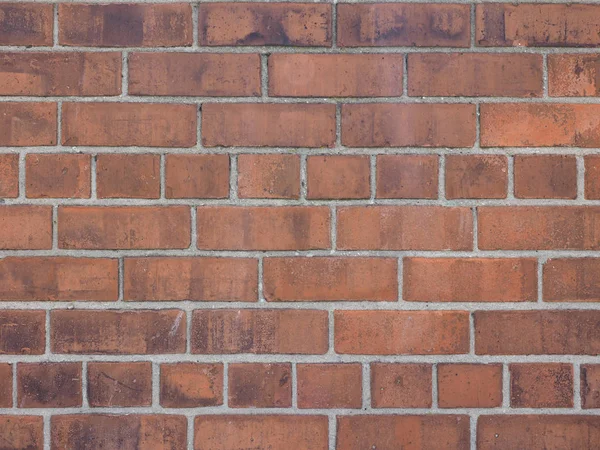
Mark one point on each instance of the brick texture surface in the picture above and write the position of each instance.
(292, 225)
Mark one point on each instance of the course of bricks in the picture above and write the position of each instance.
(299, 226)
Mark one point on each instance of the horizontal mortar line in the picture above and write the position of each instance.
(323, 2)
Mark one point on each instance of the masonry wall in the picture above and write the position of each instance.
(299, 226)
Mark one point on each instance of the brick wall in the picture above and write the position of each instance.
(299, 226)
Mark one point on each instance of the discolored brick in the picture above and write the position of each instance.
(592, 177)
(407, 176)
(268, 176)
(190, 385)
(49, 385)
(590, 386)
(545, 176)
(545, 385)
(573, 75)
(28, 124)
(114, 384)
(260, 385)
(26, 24)
(6, 386)
(23, 332)
(476, 176)
(22, 432)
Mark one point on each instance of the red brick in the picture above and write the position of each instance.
(190, 385)
(25, 227)
(335, 75)
(298, 24)
(572, 280)
(404, 228)
(48, 385)
(338, 177)
(540, 125)
(201, 74)
(564, 332)
(261, 432)
(573, 75)
(476, 176)
(538, 228)
(61, 73)
(329, 385)
(592, 177)
(118, 332)
(135, 227)
(475, 74)
(541, 432)
(400, 385)
(23, 333)
(58, 278)
(263, 228)
(126, 432)
(401, 332)
(26, 24)
(590, 386)
(268, 176)
(22, 432)
(129, 124)
(9, 175)
(408, 125)
(196, 279)
(536, 25)
(28, 124)
(197, 176)
(260, 385)
(545, 176)
(58, 176)
(330, 279)
(470, 279)
(469, 385)
(403, 24)
(268, 125)
(541, 385)
(128, 176)
(125, 25)
(6, 386)
(286, 331)
(402, 431)
(119, 384)
(407, 176)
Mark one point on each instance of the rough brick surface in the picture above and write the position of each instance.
(293, 225)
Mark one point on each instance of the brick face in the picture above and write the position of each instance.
(294, 225)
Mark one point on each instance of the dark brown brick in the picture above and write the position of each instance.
(260, 385)
(6, 386)
(49, 385)
(23, 332)
(26, 24)
(22, 432)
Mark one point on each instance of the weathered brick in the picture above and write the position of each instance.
(268, 125)
(408, 125)
(115, 227)
(469, 385)
(113, 384)
(330, 279)
(197, 176)
(268, 176)
(64, 73)
(401, 332)
(28, 124)
(338, 177)
(227, 331)
(263, 228)
(22, 432)
(196, 279)
(592, 177)
(545, 385)
(573, 75)
(190, 385)
(26, 24)
(590, 386)
(128, 124)
(255, 385)
(329, 385)
(297, 24)
(128, 176)
(6, 386)
(118, 332)
(125, 25)
(201, 74)
(49, 385)
(545, 176)
(335, 75)
(407, 176)
(25, 227)
(470, 279)
(403, 24)
(404, 228)
(9, 175)
(58, 176)
(400, 385)
(476, 176)
(23, 332)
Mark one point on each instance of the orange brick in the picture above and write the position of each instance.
(28, 124)
(268, 125)
(329, 385)
(201, 74)
(23, 333)
(547, 385)
(190, 385)
(331, 75)
(128, 176)
(49, 385)
(545, 176)
(25, 227)
(408, 125)
(573, 75)
(9, 175)
(197, 176)
(401, 332)
(469, 385)
(125, 25)
(407, 176)
(26, 24)
(338, 177)
(592, 177)
(476, 176)
(298, 24)
(122, 227)
(263, 228)
(572, 280)
(260, 385)
(268, 176)
(58, 176)
(119, 384)
(400, 385)
(330, 279)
